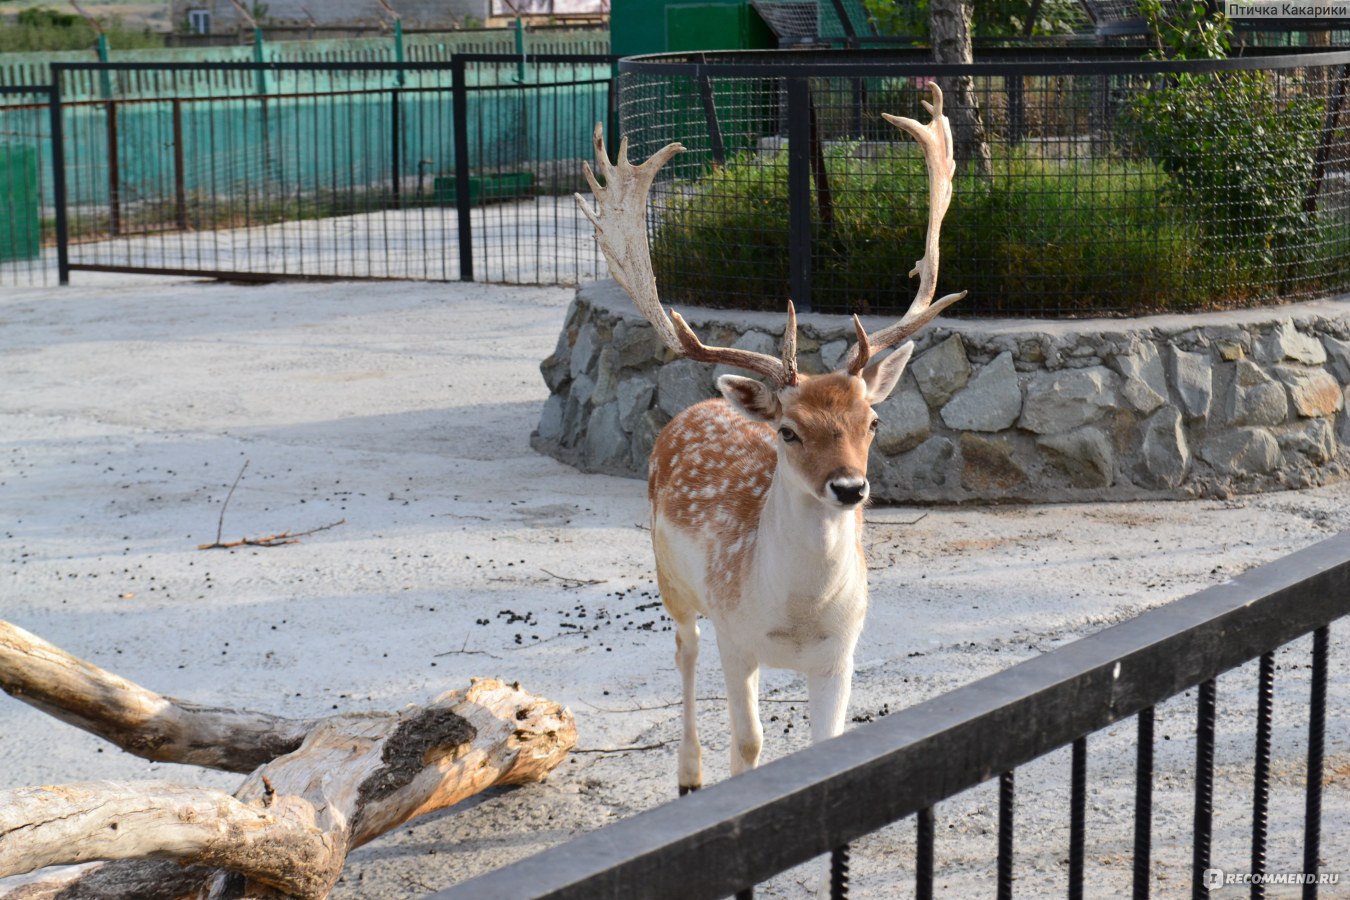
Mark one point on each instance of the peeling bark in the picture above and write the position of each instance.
(288, 829)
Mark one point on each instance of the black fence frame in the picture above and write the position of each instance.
(49, 96)
(732, 835)
(460, 92)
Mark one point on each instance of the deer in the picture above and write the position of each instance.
(757, 496)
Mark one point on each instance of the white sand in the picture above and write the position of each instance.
(127, 407)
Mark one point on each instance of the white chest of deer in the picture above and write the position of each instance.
(757, 497)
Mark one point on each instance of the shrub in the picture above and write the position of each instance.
(1047, 235)
(42, 29)
(1239, 157)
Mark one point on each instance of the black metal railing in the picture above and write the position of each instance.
(735, 834)
(1089, 181)
(32, 195)
(425, 170)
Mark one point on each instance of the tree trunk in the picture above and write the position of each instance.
(949, 27)
(287, 831)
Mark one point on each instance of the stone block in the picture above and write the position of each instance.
(681, 384)
(636, 344)
(1145, 384)
(1255, 398)
(606, 443)
(1314, 440)
(1062, 401)
(1084, 455)
(904, 420)
(584, 350)
(1164, 454)
(645, 431)
(1338, 357)
(551, 419)
(1242, 451)
(923, 468)
(988, 466)
(1285, 342)
(754, 341)
(991, 401)
(942, 371)
(1193, 378)
(832, 354)
(1313, 392)
(634, 397)
(557, 369)
(606, 376)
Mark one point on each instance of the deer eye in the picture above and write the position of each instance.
(788, 435)
(876, 423)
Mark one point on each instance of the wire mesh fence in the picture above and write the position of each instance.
(29, 216)
(326, 170)
(1085, 185)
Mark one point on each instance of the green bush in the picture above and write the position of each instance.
(1074, 237)
(1241, 158)
(41, 29)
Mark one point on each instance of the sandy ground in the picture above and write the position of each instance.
(127, 408)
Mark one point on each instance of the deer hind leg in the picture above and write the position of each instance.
(686, 659)
(742, 675)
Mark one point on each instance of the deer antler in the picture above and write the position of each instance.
(935, 139)
(620, 220)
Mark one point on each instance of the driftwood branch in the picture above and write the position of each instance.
(323, 787)
(134, 718)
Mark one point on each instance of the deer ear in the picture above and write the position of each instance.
(881, 376)
(754, 399)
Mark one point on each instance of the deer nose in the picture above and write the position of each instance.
(849, 491)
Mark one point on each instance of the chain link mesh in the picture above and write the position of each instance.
(1107, 189)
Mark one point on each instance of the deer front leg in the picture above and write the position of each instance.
(686, 658)
(827, 699)
(742, 676)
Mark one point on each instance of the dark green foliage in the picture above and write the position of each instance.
(1239, 156)
(40, 28)
(990, 19)
(1047, 236)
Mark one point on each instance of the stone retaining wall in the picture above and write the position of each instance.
(1167, 406)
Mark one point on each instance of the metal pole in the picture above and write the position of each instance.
(460, 117)
(396, 144)
(258, 58)
(105, 78)
(799, 193)
(59, 179)
(114, 174)
(179, 178)
(520, 49)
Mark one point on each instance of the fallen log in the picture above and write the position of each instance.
(317, 789)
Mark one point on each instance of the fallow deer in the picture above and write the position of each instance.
(757, 496)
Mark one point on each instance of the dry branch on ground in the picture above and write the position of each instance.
(316, 790)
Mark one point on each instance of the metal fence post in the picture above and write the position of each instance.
(179, 168)
(114, 174)
(460, 124)
(396, 146)
(799, 193)
(59, 177)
